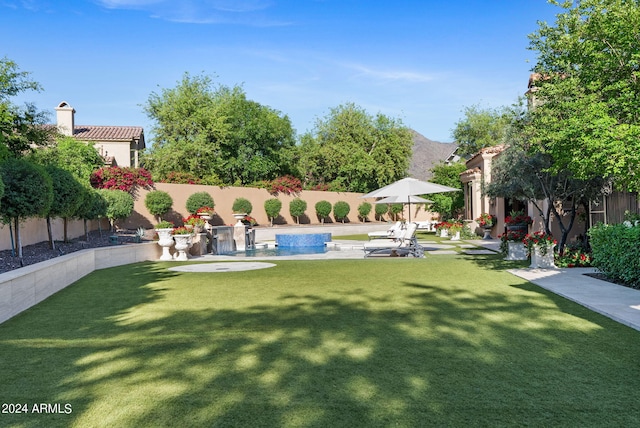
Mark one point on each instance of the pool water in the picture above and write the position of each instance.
(288, 251)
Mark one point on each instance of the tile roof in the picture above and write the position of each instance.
(107, 133)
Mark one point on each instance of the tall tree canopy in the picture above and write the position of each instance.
(587, 90)
(480, 128)
(216, 134)
(354, 150)
(20, 127)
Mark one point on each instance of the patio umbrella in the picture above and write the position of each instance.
(402, 200)
(405, 188)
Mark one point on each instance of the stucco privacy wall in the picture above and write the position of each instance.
(35, 230)
(225, 196)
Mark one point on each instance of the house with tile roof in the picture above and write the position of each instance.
(118, 145)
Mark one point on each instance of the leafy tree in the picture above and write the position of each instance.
(363, 210)
(480, 128)
(297, 207)
(158, 203)
(272, 207)
(94, 206)
(20, 127)
(381, 210)
(587, 107)
(28, 192)
(353, 149)
(448, 204)
(119, 205)
(68, 193)
(341, 210)
(323, 209)
(242, 205)
(216, 134)
(199, 200)
(77, 157)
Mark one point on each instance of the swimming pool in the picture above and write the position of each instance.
(280, 251)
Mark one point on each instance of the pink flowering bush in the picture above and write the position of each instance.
(117, 178)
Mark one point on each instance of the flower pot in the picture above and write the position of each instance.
(239, 217)
(518, 228)
(455, 236)
(182, 245)
(165, 240)
(516, 251)
(487, 233)
(542, 258)
(444, 233)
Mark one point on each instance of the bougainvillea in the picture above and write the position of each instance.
(117, 178)
(286, 184)
(178, 177)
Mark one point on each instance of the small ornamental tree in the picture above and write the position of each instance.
(158, 203)
(242, 205)
(396, 209)
(272, 207)
(341, 210)
(199, 200)
(68, 196)
(363, 211)
(297, 207)
(93, 207)
(323, 209)
(28, 192)
(126, 179)
(381, 210)
(119, 205)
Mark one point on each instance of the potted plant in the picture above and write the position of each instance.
(486, 221)
(241, 208)
(182, 236)
(442, 229)
(194, 222)
(165, 239)
(512, 247)
(206, 212)
(454, 230)
(540, 247)
(518, 221)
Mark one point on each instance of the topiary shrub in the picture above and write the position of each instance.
(341, 210)
(396, 209)
(323, 209)
(297, 207)
(363, 211)
(616, 252)
(158, 203)
(242, 205)
(272, 207)
(381, 211)
(199, 200)
(119, 205)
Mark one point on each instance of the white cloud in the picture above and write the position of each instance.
(391, 75)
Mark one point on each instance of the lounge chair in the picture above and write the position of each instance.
(406, 245)
(393, 232)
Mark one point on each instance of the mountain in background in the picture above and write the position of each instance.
(426, 154)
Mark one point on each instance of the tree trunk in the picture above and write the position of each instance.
(52, 244)
(66, 237)
(18, 238)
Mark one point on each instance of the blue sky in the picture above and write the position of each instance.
(420, 61)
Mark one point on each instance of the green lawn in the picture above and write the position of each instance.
(441, 341)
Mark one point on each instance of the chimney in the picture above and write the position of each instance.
(64, 118)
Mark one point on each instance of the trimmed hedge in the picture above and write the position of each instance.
(340, 210)
(616, 252)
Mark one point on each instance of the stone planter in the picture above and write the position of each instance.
(487, 233)
(239, 217)
(444, 233)
(540, 260)
(182, 245)
(165, 240)
(516, 251)
(455, 236)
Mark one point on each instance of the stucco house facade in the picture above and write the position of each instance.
(118, 145)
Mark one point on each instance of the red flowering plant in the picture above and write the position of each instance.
(541, 240)
(193, 220)
(182, 231)
(205, 211)
(510, 236)
(486, 220)
(517, 218)
(574, 258)
(117, 178)
(249, 220)
(286, 184)
(442, 225)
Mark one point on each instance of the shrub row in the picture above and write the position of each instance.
(616, 252)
